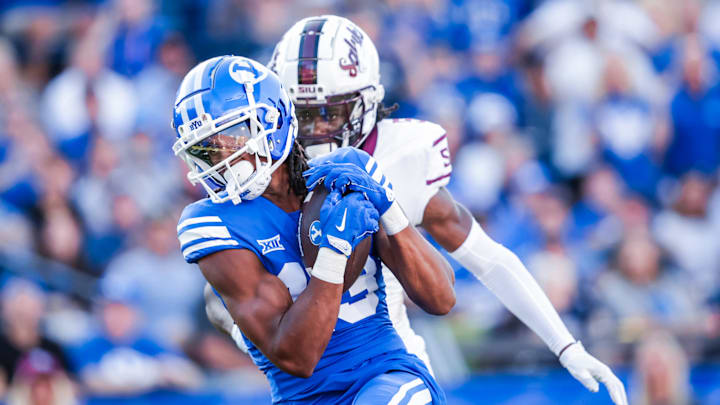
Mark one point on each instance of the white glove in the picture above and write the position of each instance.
(589, 370)
(220, 318)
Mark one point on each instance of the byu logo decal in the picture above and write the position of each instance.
(315, 233)
(195, 124)
(243, 71)
(270, 245)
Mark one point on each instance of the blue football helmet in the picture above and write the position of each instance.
(235, 125)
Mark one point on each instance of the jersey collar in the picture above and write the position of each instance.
(371, 141)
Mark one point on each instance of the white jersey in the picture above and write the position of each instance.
(415, 156)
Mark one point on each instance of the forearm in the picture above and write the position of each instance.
(260, 304)
(305, 330)
(290, 344)
(505, 275)
(295, 347)
(424, 274)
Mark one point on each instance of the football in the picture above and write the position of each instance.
(310, 235)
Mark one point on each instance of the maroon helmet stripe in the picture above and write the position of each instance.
(308, 52)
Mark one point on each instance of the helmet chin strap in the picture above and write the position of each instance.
(320, 149)
(240, 173)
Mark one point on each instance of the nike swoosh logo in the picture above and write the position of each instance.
(341, 227)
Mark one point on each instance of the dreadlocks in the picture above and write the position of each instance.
(297, 164)
(384, 112)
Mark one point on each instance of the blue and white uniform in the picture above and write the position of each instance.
(364, 346)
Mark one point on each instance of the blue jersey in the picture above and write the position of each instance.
(364, 342)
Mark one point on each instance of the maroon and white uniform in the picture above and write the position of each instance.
(414, 155)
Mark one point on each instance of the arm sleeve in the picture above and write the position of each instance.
(503, 273)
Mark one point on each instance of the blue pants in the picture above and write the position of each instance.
(395, 377)
(394, 388)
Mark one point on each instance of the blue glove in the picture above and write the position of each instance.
(348, 154)
(345, 221)
(353, 169)
(343, 177)
(355, 156)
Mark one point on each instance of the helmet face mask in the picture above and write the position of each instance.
(339, 120)
(216, 148)
(246, 131)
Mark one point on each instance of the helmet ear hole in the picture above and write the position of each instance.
(282, 109)
(280, 120)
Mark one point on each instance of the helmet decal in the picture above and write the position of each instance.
(352, 62)
(243, 71)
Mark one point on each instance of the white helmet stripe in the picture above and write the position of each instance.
(192, 108)
(183, 111)
(197, 99)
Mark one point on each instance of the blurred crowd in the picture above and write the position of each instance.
(585, 136)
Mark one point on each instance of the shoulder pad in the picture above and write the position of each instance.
(202, 230)
(427, 140)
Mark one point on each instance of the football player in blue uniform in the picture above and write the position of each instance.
(331, 70)
(236, 130)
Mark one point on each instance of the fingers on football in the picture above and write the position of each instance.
(339, 181)
(315, 174)
(342, 176)
(362, 211)
(361, 206)
(332, 200)
(370, 216)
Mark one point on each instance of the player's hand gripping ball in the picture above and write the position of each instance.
(350, 169)
(311, 236)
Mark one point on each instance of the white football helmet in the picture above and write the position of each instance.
(331, 71)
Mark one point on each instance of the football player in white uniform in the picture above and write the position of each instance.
(330, 68)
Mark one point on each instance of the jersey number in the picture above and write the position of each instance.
(358, 302)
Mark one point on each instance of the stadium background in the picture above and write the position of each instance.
(585, 136)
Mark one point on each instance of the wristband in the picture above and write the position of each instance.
(329, 266)
(394, 219)
(567, 347)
